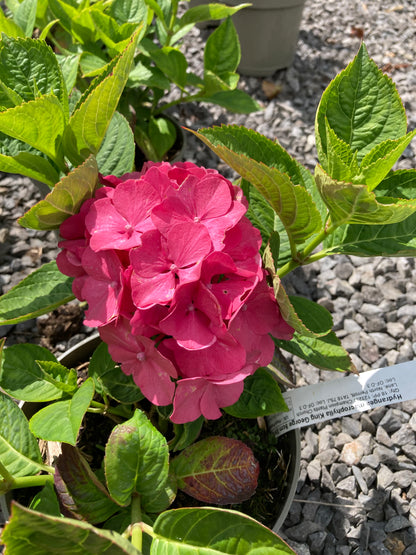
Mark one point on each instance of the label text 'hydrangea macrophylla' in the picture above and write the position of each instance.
(171, 271)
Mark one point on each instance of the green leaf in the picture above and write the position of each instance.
(90, 120)
(218, 470)
(79, 490)
(355, 204)
(116, 154)
(214, 83)
(10, 27)
(208, 531)
(25, 16)
(323, 352)
(61, 421)
(136, 460)
(59, 375)
(305, 316)
(236, 101)
(75, 20)
(401, 183)
(292, 203)
(23, 378)
(41, 292)
(342, 161)
(31, 165)
(209, 12)
(129, 11)
(69, 66)
(39, 123)
(46, 501)
(162, 134)
(51, 535)
(375, 240)
(261, 396)
(173, 64)
(37, 73)
(379, 161)
(362, 107)
(113, 35)
(65, 199)
(222, 49)
(185, 434)
(19, 450)
(110, 379)
(142, 75)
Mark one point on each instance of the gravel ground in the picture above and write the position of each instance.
(357, 487)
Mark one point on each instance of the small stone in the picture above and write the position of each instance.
(367, 424)
(392, 420)
(338, 471)
(310, 508)
(367, 441)
(314, 471)
(362, 484)
(412, 422)
(370, 460)
(369, 475)
(386, 455)
(342, 439)
(378, 548)
(400, 503)
(410, 451)
(383, 437)
(326, 480)
(326, 439)
(383, 340)
(324, 516)
(377, 414)
(352, 453)
(347, 487)
(301, 531)
(395, 329)
(316, 541)
(404, 436)
(403, 478)
(384, 477)
(351, 426)
(351, 326)
(328, 456)
(395, 523)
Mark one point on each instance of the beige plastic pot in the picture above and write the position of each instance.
(268, 32)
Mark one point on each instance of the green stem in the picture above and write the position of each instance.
(136, 518)
(183, 99)
(305, 256)
(28, 481)
(95, 406)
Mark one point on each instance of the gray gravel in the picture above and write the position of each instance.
(357, 487)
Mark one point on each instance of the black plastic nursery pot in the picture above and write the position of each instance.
(290, 442)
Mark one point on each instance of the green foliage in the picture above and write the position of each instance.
(61, 421)
(39, 293)
(19, 450)
(261, 397)
(220, 530)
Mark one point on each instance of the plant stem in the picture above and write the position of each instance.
(27, 482)
(102, 408)
(136, 518)
(190, 98)
(305, 256)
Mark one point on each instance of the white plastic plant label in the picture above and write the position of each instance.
(343, 396)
